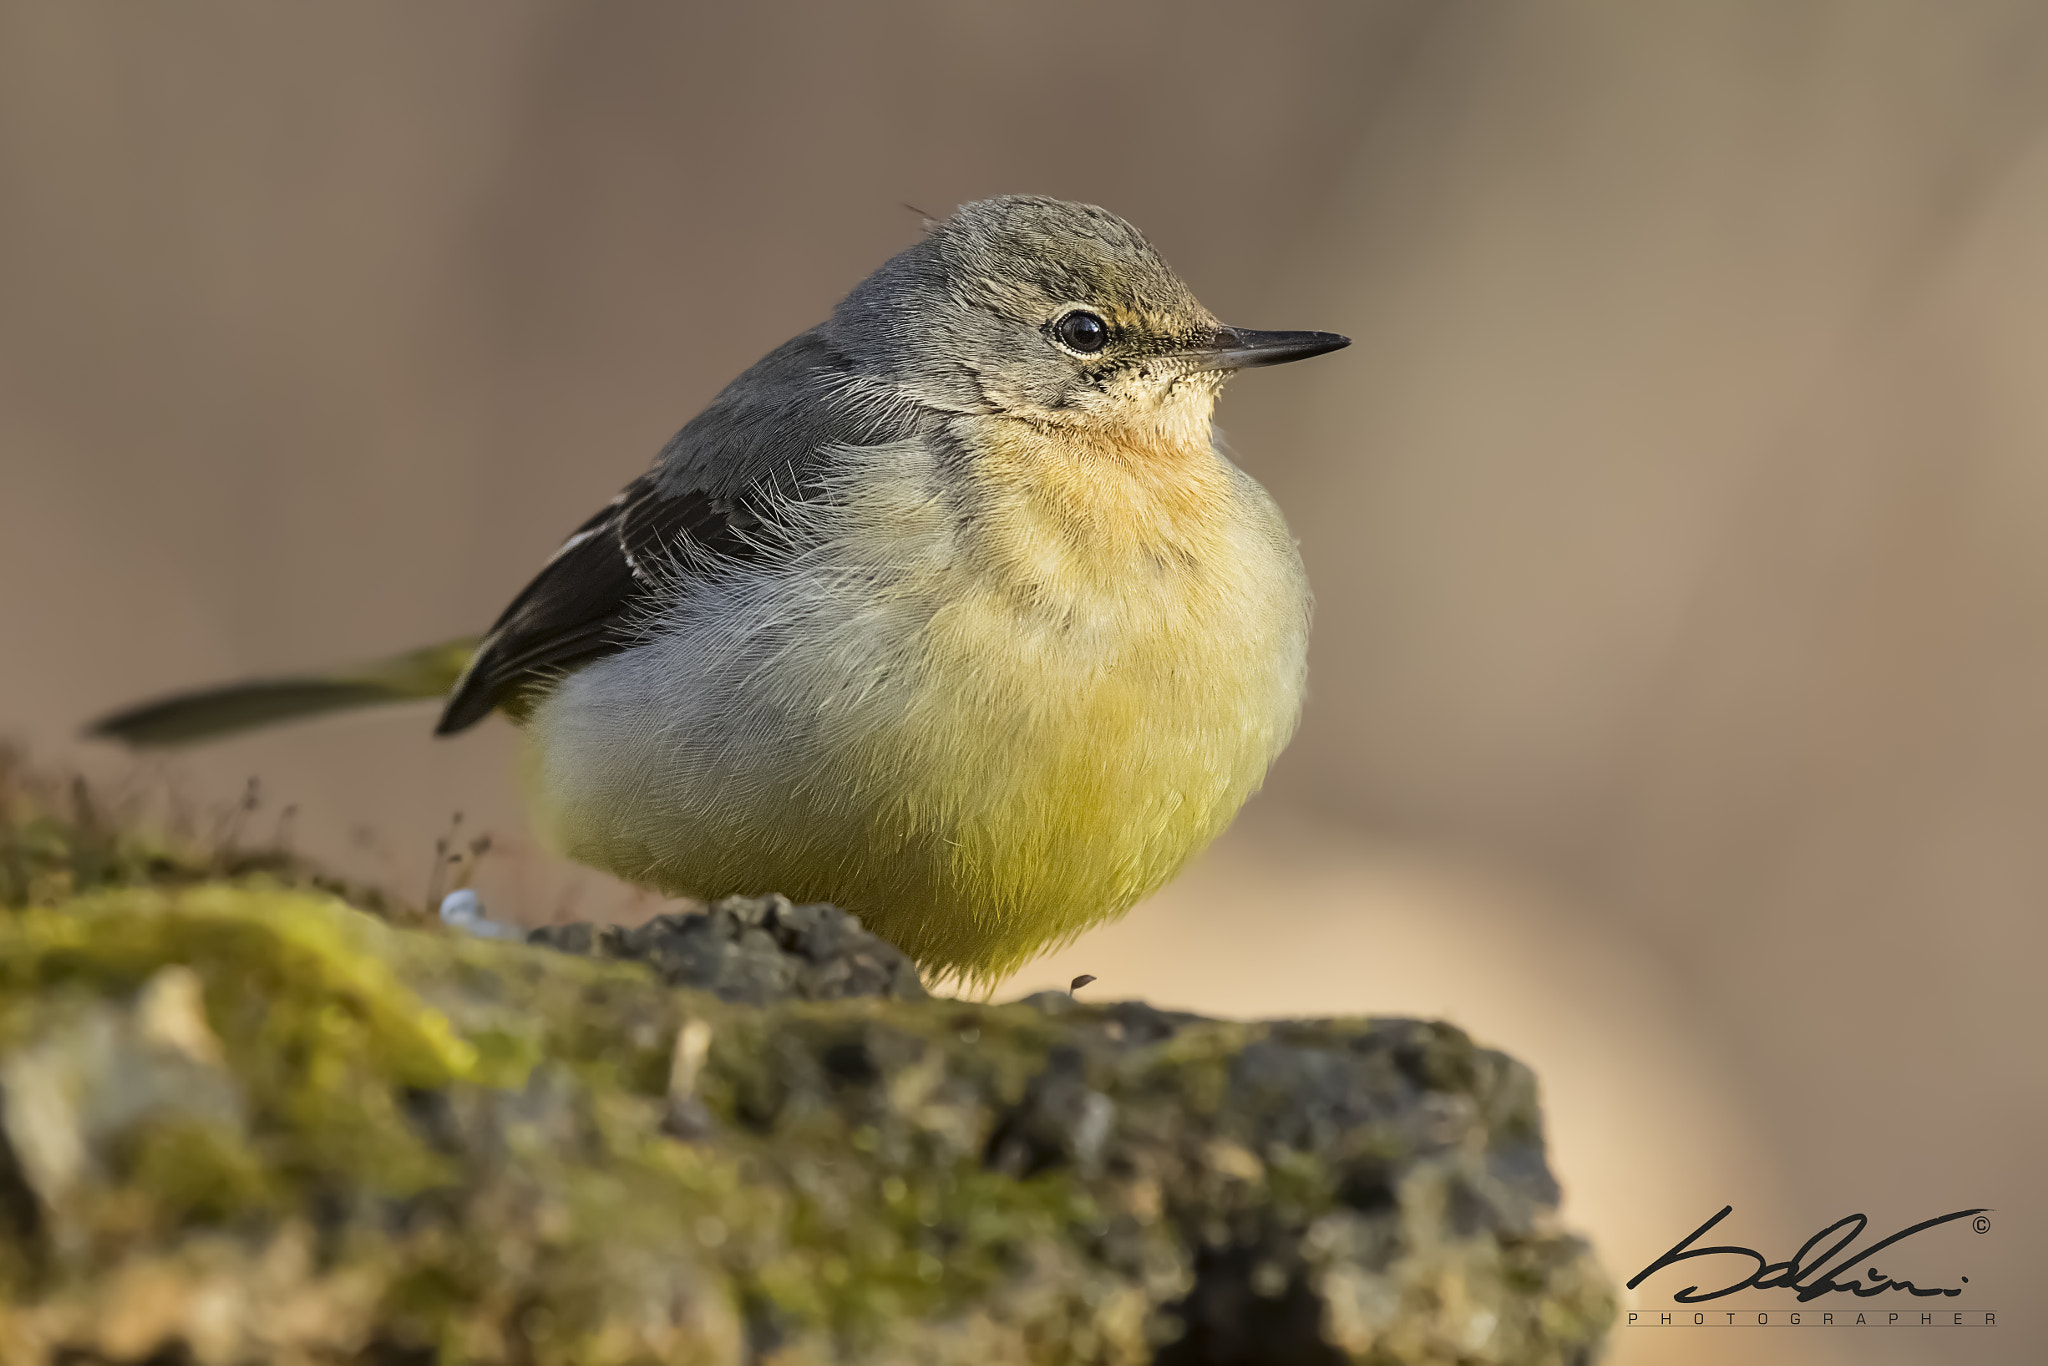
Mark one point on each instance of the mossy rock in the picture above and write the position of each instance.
(248, 1123)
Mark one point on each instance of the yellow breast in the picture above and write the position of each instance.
(1112, 670)
(993, 708)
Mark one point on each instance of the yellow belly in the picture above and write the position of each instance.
(982, 735)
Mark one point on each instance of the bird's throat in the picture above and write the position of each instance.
(1096, 501)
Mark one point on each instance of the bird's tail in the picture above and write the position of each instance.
(213, 712)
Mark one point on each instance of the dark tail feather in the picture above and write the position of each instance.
(213, 712)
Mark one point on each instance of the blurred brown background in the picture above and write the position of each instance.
(1679, 521)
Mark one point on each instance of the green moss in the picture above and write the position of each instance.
(477, 1142)
(199, 1173)
(311, 1017)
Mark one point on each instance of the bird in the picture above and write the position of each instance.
(952, 611)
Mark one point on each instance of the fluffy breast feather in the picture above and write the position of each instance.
(983, 707)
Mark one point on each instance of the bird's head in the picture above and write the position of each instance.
(1054, 313)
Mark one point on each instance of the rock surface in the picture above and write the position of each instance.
(247, 1123)
(752, 951)
(241, 1121)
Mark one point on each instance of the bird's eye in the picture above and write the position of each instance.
(1082, 331)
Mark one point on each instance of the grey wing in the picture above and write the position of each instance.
(706, 499)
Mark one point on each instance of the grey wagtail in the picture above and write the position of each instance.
(949, 611)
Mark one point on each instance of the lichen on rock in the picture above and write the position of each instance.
(246, 1122)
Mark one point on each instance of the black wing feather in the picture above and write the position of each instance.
(706, 499)
(582, 604)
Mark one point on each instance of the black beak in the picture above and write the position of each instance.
(1234, 348)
